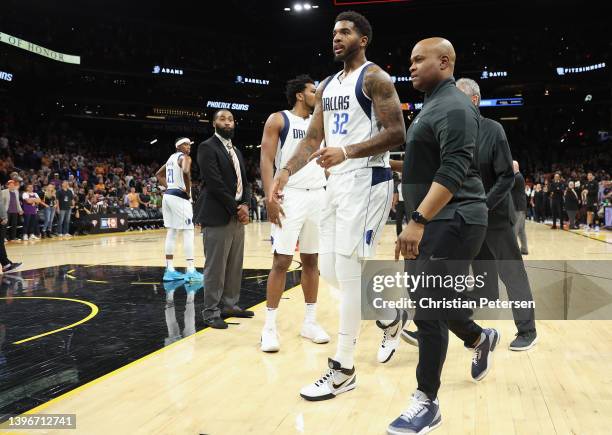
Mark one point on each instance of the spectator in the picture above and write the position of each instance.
(7, 265)
(144, 198)
(30, 213)
(529, 192)
(10, 200)
(156, 199)
(132, 198)
(65, 198)
(556, 195)
(51, 201)
(539, 199)
(572, 203)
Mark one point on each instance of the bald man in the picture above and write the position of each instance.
(445, 200)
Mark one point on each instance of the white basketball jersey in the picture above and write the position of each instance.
(349, 118)
(311, 176)
(174, 173)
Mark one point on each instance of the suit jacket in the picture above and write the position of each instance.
(217, 204)
(495, 164)
(4, 203)
(519, 198)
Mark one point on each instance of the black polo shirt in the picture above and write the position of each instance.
(440, 147)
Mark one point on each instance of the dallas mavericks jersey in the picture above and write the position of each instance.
(349, 118)
(310, 176)
(174, 173)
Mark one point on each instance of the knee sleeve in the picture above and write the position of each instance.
(170, 241)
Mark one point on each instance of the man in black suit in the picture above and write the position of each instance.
(520, 206)
(500, 252)
(222, 210)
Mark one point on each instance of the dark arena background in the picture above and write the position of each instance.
(95, 340)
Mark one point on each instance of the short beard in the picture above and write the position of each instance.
(225, 133)
(348, 52)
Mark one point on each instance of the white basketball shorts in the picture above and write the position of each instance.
(177, 212)
(355, 211)
(302, 209)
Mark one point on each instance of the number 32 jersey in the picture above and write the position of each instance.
(349, 118)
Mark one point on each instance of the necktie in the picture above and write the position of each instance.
(236, 163)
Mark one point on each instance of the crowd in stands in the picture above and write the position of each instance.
(575, 190)
(56, 187)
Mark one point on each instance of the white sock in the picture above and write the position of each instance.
(169, 265)
(310, 315)
(190, 265)
(348, 271)
(271, 318)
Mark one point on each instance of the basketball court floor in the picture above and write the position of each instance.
(87, 328)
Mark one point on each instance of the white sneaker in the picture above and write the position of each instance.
(335, 381)
(269, 340)
(68, 236)
(391, 336)
(25, 237)
(33, 237)
(314, 332)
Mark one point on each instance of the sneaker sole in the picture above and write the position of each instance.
(421, 432)
(519, 349)
(320, 341)
(329, 396)
(408, 339)
(271, 350)
(489, 357)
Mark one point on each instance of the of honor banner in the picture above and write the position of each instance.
(37, 49)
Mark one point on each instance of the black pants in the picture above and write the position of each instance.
(500, 254)
(3, 258)
(539, 213)
(399, 216)
(447, 249)
(30, 222)
(556, 213)
(13, 222)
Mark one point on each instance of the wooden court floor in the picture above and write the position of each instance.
(218, 382)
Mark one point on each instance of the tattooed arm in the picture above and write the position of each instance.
(379, 87)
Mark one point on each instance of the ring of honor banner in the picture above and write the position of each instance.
(37, 49)
(107, 223)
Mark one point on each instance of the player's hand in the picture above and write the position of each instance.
(328, 156)
(408, 241)
(275, 211)
(280, 181)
